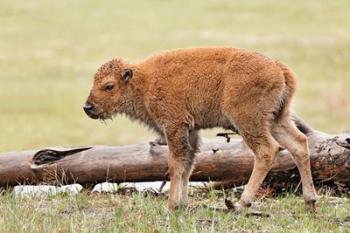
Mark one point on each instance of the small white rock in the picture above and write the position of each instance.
(143, 186)
(45, 190)
(70, 189)
(34, 190)
(105, 187)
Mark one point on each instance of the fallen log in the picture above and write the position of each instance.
(225, 160)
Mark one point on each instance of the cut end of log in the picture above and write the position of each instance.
(48, 156)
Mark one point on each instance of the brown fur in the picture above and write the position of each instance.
(176, 93)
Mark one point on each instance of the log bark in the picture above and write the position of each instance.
(228, 163)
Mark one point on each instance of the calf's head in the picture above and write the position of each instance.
(106, 96)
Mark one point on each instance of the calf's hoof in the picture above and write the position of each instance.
(310, 205)
(240, 206)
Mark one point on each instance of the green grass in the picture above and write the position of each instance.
(49, 51)
(137, 213)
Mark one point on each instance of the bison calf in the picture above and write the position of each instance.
(179, 92)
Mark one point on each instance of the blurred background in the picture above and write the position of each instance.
(49, 51)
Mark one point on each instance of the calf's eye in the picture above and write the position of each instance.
(109, 87)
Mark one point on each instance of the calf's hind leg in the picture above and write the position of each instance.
(286, 133)
(265, 148)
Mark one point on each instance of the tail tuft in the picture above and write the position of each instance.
(288, 92)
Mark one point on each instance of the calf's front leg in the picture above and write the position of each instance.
(181, 157)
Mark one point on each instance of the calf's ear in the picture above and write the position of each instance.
(127, 74)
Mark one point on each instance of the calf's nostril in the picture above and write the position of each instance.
(88, 107)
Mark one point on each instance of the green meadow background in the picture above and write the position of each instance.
(49, 51)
